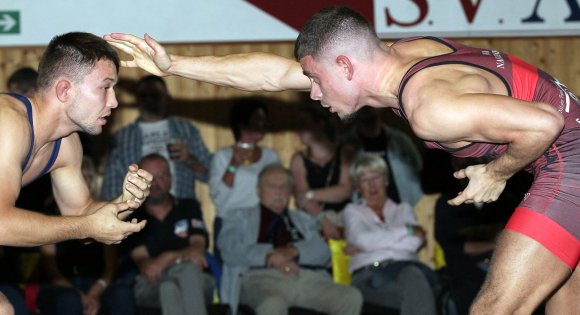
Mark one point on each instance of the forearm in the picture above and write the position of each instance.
(95, 205)
(20, 227)
(333, 194)
(525, 146)
(251, 72)
(517, 156)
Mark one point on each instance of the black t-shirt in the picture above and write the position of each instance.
(184, 220)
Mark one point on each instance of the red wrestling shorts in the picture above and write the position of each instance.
(550, 211)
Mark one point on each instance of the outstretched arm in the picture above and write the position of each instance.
(251, 71)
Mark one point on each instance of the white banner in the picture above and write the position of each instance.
(35, 22)
(476, 18)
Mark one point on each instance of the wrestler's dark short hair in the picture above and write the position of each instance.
(328, 26)
(73, 55)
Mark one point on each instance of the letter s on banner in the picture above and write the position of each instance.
(423, 9)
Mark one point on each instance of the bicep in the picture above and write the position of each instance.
(479, 117)
(279, 73)
(294, 78)
(11, 166)
(71, 192)
(10, 184)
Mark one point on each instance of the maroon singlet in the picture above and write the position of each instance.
(550, 211)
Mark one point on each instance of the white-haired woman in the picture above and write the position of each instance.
(383, 239)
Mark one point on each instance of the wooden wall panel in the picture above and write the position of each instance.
(207, 105)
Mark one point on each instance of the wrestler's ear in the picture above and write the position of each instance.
(63, 90)
(345, 66)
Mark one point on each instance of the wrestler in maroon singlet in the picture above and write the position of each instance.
(550, 211)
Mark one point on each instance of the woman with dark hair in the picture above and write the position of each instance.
(234, 169)
(322, 186)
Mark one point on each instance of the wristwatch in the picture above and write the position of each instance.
(309, 195)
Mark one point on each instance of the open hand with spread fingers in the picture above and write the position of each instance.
(147, 53)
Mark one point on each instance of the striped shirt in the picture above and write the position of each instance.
(126, 149)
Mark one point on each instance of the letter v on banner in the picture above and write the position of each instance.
(470, 9)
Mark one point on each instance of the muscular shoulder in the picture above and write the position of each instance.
(431, 95)
(16, 130)
(12, 110)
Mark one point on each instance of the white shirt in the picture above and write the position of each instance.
(380, 240)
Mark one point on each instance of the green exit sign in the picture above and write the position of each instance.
(9, 22)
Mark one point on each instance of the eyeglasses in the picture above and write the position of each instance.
(370, 179)
(278, 186)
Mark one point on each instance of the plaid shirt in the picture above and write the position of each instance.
(126, 149)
